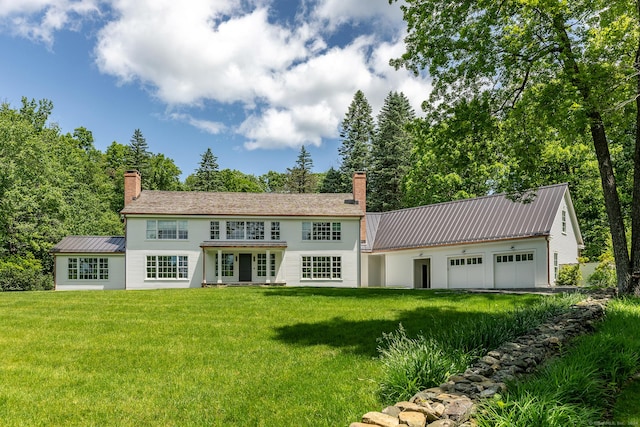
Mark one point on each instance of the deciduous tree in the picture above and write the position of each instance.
(578, 59)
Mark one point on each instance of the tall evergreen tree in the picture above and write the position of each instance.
(207, 176)
(301, 179)
(138, 152)
(356, 132)
(390, 154)
(332, 182)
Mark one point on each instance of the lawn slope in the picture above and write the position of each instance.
(229, 356)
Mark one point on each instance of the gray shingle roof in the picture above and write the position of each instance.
(242, 204)
(482, 219)
(90, 244)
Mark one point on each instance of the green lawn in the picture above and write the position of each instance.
(229, 356)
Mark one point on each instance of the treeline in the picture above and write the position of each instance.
(54, 184)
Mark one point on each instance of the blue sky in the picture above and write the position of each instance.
(251, 79)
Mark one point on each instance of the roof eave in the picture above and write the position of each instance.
(461, 243)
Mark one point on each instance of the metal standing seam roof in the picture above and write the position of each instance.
(482, 219)
(90, 244)
(243, 204)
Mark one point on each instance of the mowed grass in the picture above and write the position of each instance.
(216, 357)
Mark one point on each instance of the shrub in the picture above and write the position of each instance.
(23, 274)
(569, 275)
(605, 274)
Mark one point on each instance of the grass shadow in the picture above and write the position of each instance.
(361, 337)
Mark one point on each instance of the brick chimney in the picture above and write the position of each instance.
(360, 195)
(132, 186)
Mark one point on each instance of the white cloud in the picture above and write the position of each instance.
(189, 54)
(339, 12)
(282, 128)
(39, 19)
(207, 126)
(294, 86)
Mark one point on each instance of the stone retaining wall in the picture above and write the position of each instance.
(454, 402)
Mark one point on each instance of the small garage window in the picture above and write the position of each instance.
(527, 256)
(454, 262)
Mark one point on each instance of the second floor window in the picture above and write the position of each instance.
(167, 230)
(321, 231)
(215, 230)
(245, 230)
(275, 230)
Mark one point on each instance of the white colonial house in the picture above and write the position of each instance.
(181, 239)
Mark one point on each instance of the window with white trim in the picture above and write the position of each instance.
(167, 267)
(556, 266)
(167, 229)
(214, 230)
(255, 230)
(88, 268)
(321, 231)
(322, 267)
(262, 265)
(245, 230)
(275, 230)
(564, 221)
(227, 265)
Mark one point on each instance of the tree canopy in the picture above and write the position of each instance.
(547, 68)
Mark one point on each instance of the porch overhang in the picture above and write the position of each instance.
(244, 244)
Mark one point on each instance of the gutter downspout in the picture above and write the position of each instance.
(55, 275)
(204, 267)
(548, 238)
(359, 279)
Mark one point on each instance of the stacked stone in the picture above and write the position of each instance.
(454, 402)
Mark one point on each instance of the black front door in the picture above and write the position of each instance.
(425, 276)
(245, 267)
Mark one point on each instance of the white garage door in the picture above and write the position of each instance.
(465, 272)
(514, 270)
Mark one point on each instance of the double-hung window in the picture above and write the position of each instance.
(167, 267)
(88, 268)
(275, 230)
(214, 230)
(262, 265)
(321, 231)
(245, 230)
(322, 267)
(255, 230)
(167, 229)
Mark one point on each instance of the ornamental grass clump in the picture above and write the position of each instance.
(414, 364)
(578, 388)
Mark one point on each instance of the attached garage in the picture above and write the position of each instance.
(514, 270)
(465, 272)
